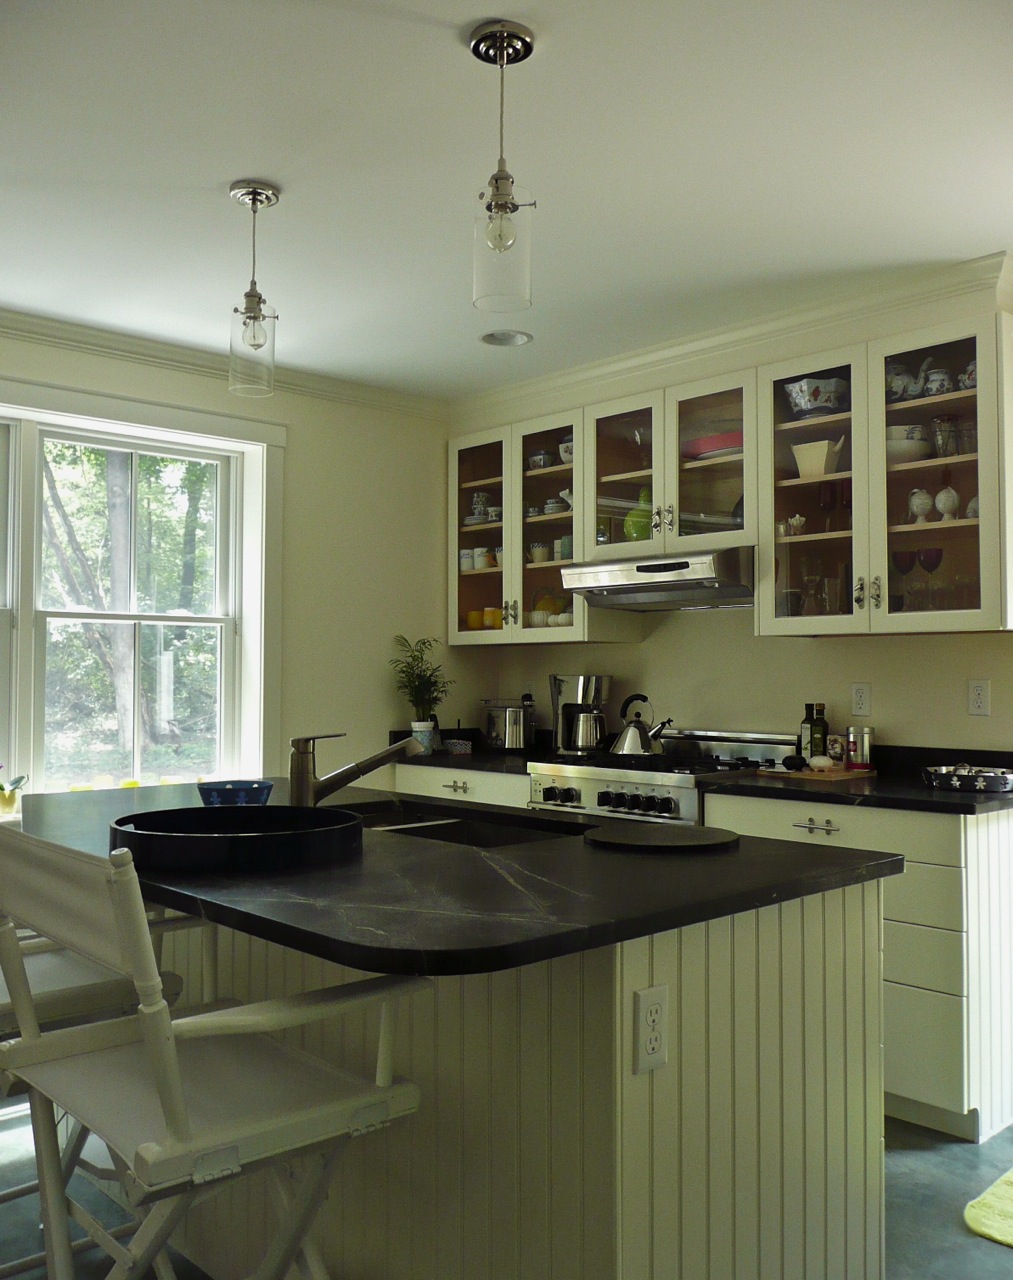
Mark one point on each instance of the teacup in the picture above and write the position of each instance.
(539, 552)
(494, 513)
(938, 382)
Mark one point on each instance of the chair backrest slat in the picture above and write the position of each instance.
(63, 894)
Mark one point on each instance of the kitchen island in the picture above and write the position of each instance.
(756, 1151)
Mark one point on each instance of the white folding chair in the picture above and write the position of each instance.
(185, 1106)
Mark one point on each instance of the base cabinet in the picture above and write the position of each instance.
(472, 785)
(947, 1024)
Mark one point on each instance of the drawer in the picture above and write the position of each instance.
(920, 837)
(510, 789)
(933, 959)
(923, 1046)
(927, 895)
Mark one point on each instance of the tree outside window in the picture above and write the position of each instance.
(130, 596)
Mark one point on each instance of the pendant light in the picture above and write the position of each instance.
(251, 350)
(502, 275)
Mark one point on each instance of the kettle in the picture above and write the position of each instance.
(636, 738)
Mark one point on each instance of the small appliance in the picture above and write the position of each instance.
(578, 715)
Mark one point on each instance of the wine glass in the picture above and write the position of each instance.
(904, 562)
(827, 500)
(930, 558)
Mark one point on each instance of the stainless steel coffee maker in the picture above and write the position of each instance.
(578, 713)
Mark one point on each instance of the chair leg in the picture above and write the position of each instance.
(288, 1242)
(52, 1193)
(151, 1237)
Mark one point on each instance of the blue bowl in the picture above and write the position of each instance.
(233, 791)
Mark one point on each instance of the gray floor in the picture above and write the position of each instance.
(929, 1179)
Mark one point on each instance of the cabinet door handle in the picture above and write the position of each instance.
(670, 518)
(455, 786)
(877, 592)
(812, 826)
(860, 593)
(506, 613)
(514, 614)
(656, 520)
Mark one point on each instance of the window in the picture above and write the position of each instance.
(133, 622)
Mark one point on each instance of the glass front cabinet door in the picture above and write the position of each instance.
(512, 496)
(934, 490)
(879, 495)
(812, 551)
(624, 513)
(710, 464)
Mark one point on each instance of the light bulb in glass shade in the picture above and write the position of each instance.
(501, 232)
(254, 333)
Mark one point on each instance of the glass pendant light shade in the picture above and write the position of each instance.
(251, 347)
(502, 276)
(251, 366)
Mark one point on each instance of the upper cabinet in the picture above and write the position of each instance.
(516, 498)
(878, 494)
(673, 471)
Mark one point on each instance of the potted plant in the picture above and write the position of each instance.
(422, 682)
(9, 792)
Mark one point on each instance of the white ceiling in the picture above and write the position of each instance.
(695, 165)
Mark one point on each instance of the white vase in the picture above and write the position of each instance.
(424, 731)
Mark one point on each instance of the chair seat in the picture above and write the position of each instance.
(249, 1097)
(63, 984)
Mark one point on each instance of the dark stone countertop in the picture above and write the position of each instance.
(418, 906)
(870, 793)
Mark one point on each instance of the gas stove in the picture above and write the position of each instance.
(653, 788)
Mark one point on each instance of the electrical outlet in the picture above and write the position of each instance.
(979, 698)
(650, 1028)
(861, 699)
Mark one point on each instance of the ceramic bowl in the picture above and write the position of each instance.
(234, 791)
(542, 458)
(566, 451)
(907, 450)
(909, 431)
(813, 397)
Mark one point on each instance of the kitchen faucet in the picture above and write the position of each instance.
(305, 788)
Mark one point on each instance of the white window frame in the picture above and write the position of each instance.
(251, 649)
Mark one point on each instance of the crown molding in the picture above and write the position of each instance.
(112, 345)
(993, 272)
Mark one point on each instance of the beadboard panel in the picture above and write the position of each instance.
(537, 1154)
(990, 972)
(764, 1132)
(507, 1169)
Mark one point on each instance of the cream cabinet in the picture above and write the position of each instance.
(947, 1025)
(473, 785)
(672, 471)
(879, 488)
(516, 496)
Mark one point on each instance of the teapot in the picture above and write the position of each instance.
(901, 385)
(636, 738)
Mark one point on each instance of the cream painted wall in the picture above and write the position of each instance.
(364, 524)
(708, 670)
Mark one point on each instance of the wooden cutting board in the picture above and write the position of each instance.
(650, 837)
(837, 774)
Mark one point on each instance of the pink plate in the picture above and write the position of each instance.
(728, 440)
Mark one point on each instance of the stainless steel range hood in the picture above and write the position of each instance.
(714, 580)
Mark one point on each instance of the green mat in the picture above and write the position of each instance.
(991, 1214)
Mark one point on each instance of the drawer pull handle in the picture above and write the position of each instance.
(455, 786)
(812, 826)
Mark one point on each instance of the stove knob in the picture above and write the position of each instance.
(649, 804)
(619, 800)
(569, 795)
(550, 795)
(604, 799)
(666, 806)
(634, 802)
